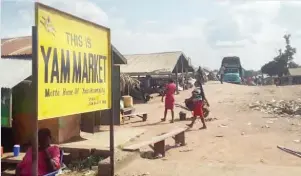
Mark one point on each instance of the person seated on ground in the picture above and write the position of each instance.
(48, 156)
(196, 104)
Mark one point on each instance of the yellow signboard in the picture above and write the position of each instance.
(74, 64)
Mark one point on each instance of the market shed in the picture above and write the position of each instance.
(155, 67)
(293, 77)
(165, 63)
(9, 78)
(16, 53)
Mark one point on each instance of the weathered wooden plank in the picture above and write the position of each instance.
(154, 139)
(135, 114)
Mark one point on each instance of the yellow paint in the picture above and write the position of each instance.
(60, 94)
(127, 101)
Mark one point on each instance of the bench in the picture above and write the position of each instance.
(142, 115)
(128, 110)
(11, 159)
(159, 142)
(12, 171)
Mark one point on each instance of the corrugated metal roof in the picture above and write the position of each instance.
(295, 71)
(13, 71)
(151, 63)
(17, 46)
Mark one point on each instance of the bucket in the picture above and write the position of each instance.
(128, 101)
(182, 116)
(16, 150)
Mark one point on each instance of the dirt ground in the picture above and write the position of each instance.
(240, 142)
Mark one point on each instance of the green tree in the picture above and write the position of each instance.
(280, 64)
(292, 64)
(270, 68)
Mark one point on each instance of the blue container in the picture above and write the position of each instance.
(16, 150)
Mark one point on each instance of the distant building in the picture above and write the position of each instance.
(159, 65)
(293, 77)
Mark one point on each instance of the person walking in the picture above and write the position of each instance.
(222, 72)
(197, 101)
(199, 76)
(169, 99)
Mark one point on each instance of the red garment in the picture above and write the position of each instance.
(26, 163)
(169, 96)
(198, 109)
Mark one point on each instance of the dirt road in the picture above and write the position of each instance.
(240, 142)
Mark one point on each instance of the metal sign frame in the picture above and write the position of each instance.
(35, 86)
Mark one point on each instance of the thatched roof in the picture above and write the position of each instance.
(127, 82)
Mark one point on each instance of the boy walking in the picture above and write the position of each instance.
(197, 101)
(169, 99)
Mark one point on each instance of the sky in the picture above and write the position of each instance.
(204, 30)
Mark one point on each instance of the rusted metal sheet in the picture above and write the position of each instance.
(21, 46)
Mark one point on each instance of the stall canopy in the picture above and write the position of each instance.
(13, 71)
(156, 63)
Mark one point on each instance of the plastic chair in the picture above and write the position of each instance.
(61, 163)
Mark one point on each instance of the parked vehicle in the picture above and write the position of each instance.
(233, 70)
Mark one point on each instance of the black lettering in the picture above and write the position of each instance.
(51, 93)
(68, 37)
(46, 61)
(47, 93)
(80, 41)
(88, 42)
(95, 69)
(77, 68)
(55, 67)
(85, 70)
(91, 67)
(104, 68)
(65, 67)
(100, 69)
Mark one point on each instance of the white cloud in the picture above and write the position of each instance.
(240, 43)
(248, 29)
(81, 8)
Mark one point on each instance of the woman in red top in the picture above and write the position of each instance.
(48, 157)
(169, 99)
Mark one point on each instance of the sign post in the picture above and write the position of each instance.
(35, 127)
(72, 67)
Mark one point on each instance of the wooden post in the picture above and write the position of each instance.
(180, 138)
(113, 114)
(159, 148)
(177, 81)
(0, 101)
(10, 107)
(182, 71)
(35, 63)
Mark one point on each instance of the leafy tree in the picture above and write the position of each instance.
(270, 68)
(280, 64)
(292, 64)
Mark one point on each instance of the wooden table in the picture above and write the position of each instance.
(11, 159)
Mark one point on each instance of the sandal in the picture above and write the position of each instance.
(203, 128)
